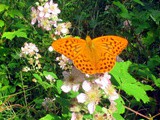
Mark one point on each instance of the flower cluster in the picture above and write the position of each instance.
(94, 87)
(64, 62)
(30, 52)
(46, 14)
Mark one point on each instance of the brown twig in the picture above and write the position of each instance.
(137, 113)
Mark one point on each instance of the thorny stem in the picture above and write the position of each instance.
(137, 113)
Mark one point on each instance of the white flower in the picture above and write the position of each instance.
(82, 98)
(29, 49)
(46, 15)
(50, 78)
(91, 107)
(62, 28)
(72, 80)
(50, 49)
(66, 88)
(34, 15)
(86, 86)
(76, 116)
(44, 11)
(53, 8)
(103, 81)
(73, 116)
(111, 92)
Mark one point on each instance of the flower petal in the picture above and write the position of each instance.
(81, 98)
(86, 86)
(66, 88)
(91, 107)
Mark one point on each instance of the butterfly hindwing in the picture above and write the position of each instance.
(105, 63)
(84, 63)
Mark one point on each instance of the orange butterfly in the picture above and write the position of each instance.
(91, 56)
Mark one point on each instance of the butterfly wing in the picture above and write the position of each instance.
(100, 57)
(108, 48)
(76, 50)
(112, 44)
(85, 61)
(70, 47)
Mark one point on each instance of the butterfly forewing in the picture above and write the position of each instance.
(70, 46)
(114, 45)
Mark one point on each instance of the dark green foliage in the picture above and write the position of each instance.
(138, 80)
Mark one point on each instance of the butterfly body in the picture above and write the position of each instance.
(91, 56)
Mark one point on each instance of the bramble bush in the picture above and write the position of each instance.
(38, 83)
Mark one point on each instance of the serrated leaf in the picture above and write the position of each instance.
(20, 33)
(1, 23)
(120, 72)
(128, 83)
(3, 7)
(11, 35)
(8, 35)
(135, 90)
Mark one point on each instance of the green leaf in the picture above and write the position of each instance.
(157, 82)
(4, 88)
(120, 106)
(137, 91)
(50, 117)
(141, 27)
(43, 83)
(128, 83)
(45, 73)
(1, 23)
(155, 15)
(20, 33)
(59, 84)
(11, 35)
(14, 13)
(153, 62)
(117, 116)
(3, 7)
(8, 35)
(149, 39)
(124, 12)
(38, 77)
(143, 71)
(139, 2)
